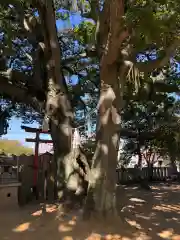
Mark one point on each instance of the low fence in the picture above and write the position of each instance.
(131, 174)
(9, 170)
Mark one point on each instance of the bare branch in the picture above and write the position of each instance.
(149, 66)
(72, 72)
(75, 58)
(128, 133)
(19, 94)
(112, 31)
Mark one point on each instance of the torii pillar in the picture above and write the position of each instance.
(37, 141)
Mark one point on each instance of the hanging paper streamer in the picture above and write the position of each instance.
(76, 139)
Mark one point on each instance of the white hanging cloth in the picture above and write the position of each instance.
(76, 142)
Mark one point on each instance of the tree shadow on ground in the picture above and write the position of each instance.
(31, 223)
(149, 214)
(156, 213)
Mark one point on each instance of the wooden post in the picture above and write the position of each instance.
(36, 154)
(17, 158)
(37, 141)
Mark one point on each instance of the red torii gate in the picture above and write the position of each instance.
(37, 141)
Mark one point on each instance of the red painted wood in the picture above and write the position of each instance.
(34, 130)
(40, 140)
(36, 153)
(37, 141)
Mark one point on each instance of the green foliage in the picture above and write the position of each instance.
(62, 15)
(153, 22)
(85, 32)
(155, 123)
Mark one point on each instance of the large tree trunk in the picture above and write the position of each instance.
(58, 107)
(62, 149)
(139, 151)
(174, 171)
(72, 167)
(101, 197)
(150, 171)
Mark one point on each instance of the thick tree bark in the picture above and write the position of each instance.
(59, 113)
(58, 107)
(101, 197)
(173, 164)
(19, 94)
(150, 171)
(102, 182)
(61, 136)
(139, 156)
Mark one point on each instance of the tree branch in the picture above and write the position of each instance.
(127, 133)
(18, 94)
(94, 13)
(76, 58)
(149, 66)
(112, 31)
(160, 86)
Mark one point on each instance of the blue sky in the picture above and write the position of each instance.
(15, 132)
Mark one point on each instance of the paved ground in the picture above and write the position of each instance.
(149, 215)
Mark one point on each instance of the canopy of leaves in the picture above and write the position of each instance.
(153, 27)
(155, 123)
